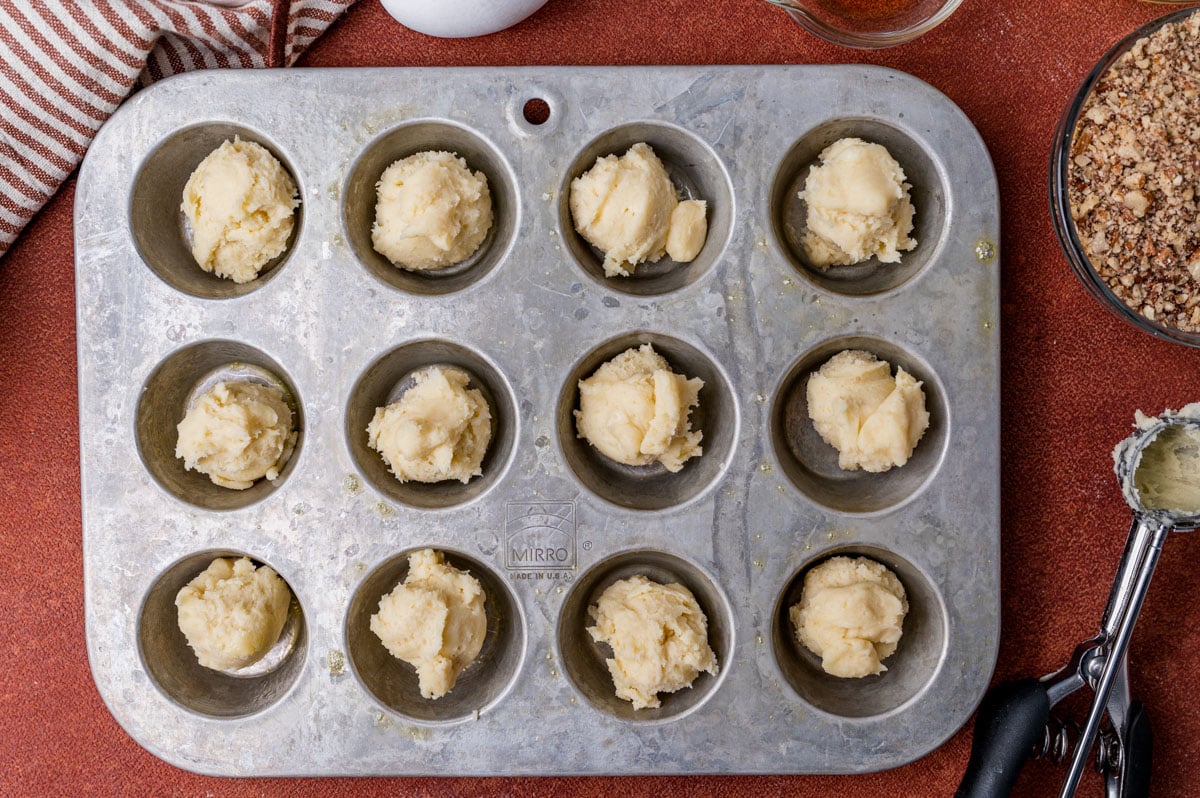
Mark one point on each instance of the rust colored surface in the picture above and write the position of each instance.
(1072, 375)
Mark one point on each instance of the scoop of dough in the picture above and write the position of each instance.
(434, 620)
(236, 433)
(431, 211)
(626, 207)
(858, 206)
(438, 429)
(871, 418)
(850, 614)
(240, 203)
(1166, 473)
(635, 410)
(232, 613)
(688, 230)
(659, 638)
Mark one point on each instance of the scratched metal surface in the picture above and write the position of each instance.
(549, 524)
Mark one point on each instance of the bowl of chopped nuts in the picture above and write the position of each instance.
(1125, 179)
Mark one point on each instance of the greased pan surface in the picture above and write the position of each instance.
(550, 524)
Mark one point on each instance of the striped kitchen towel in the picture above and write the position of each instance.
(65, 66)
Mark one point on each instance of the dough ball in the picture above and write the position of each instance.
(871, 418)
(240, 203)
(431, 212)
(850, 615)
(232, 613)
(688, 230)
(438, 429)
(237, 432)
(626, 207)
(858, 206)
(635, 410)
(434, 620)
(659, 638)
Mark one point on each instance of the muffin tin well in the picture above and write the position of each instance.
(172, 665)
(386, 380)
(909, 670)
(927, 190)
(584, 659)
(550, 523)
(652, 487)
(409, 138)
(156, 219)
(697, 174)
(812, 465)
(171, 390)
(394, 683)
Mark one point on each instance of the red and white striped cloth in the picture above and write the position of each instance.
(65, 66)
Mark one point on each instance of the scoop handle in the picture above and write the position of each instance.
(1135, 768)
(1010, 722)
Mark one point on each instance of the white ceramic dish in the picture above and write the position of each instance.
(459, 19)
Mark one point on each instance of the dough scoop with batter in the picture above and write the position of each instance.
(438, 429)
(874, 420)
(237, 432)
(434, 620)
(240, 204)
(627, 207)
(232, 613)
(431, 211)
(851, 613)
(659, 638)
(858, 206)
(1168, 470)
(635, 410)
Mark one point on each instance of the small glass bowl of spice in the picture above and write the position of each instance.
(868, 24)
(1125, 179)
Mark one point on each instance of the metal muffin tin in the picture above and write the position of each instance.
(551, 523)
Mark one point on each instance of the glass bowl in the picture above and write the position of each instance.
(1060, 202)
(868, 24)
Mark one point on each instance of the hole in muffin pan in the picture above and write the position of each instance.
(170, 390)
(910, 669)
(174, 669)
(811, 464)
(695, 171)
(160, 230)
(652, 487)
(583, 659)
(387, 378)
(359, 197)
(929, 195)
(393, 682)
(536, 111)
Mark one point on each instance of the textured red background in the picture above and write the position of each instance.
(1072, 377)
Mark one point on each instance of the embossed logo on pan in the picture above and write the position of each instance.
(539, 536)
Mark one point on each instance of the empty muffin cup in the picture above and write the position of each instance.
(871, 278)
(359, 197)
(168, 394)
(584, 659)
(811, 464)
(160, 230)
(912, 667)
(695, 172)
(652, 487)
(172, 664)
(394, 684)
(386, 380)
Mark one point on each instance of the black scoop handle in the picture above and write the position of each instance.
(1010, 722)
(1135, 775)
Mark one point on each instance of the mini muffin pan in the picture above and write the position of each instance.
(551, 523)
